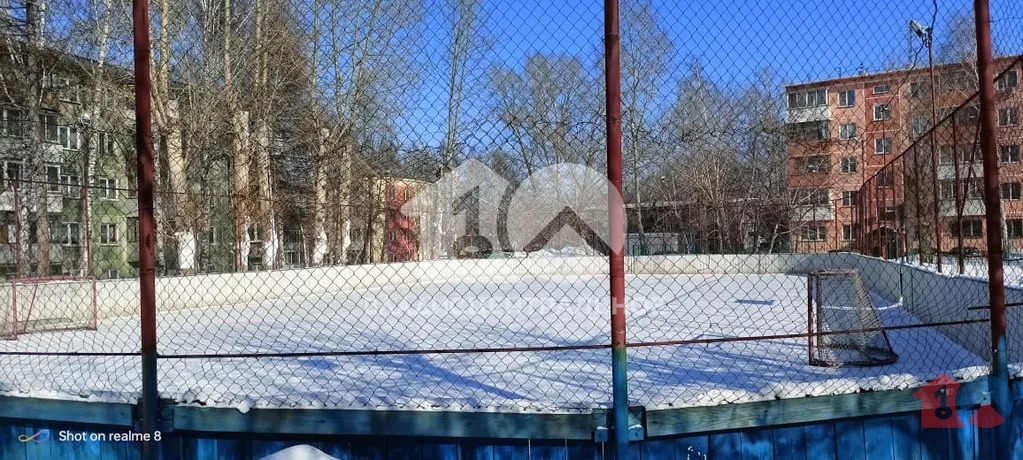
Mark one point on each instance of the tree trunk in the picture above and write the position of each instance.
(265, 202)
(318, 230)
(89, 152)
(242, 219)
(185, 215)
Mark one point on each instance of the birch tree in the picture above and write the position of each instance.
(184, 209)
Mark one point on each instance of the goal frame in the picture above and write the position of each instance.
(19, 305)
(814, 331)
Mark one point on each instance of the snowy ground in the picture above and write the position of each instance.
(525, 312)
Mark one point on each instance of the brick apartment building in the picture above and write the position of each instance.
(843, 131)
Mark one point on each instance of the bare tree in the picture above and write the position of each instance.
(548, 111)
(184, 211)
(366, 45)
(646, 52)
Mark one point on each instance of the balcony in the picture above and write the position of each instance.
(813, 213)
(808, 114)
(948, 171)
(971, 207)
(55, 204)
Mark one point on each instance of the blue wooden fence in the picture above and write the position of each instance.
(767, 436)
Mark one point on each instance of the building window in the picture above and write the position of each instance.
(1010, 191)
(917, 89)
(849, 198)
(969, 115)
(883, 146)
(919, 125)
(67, 91)
(849, 165)
(1014, 228)
(882, 89)
(12, 123)
(814, 233)
(947, 190)
(69, 234)
(1008, 117)
(847, 98)
(106, 188)
(810, 98)
(817, 164)
(848, 231)
(1009, 153)
(406, 194)
(69, 138)
(810, 131)
(48, 125)
(882, 112)
(255, 234)
(959, 81)
(1009, 81)
(12, 171)
(946, 154)
(847, 131)
(969, 153)
(293, 258)
(133, 229)
(971, 228)
(885, 178)
(107, 233)
(53, 179)
(69, 185)
(105, 143)
(973, 189)
(889, 214)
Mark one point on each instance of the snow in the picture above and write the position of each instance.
(976, 268)
(299, 452)
(530, 311)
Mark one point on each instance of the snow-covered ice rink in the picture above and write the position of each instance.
(523, 312)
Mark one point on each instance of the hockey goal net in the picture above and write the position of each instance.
(845, 327)
(48, 304)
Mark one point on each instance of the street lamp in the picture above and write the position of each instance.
(926, 33)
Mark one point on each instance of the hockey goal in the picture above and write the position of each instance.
(48, 304)
(845, 328)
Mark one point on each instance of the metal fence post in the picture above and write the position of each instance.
(146, 227)
(993, 216)
(616, 216)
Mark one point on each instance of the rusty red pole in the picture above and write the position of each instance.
(147, 225)
(993, 210)
(616, 218)
(809, 318)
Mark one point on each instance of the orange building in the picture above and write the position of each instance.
(849, 131)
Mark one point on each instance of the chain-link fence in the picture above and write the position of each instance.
(404, 205)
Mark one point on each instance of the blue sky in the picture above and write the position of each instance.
(732, 40)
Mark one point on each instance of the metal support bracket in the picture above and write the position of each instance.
(603, 421)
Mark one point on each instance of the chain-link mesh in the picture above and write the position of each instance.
(401, 204)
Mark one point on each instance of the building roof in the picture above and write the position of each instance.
(880, 76)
